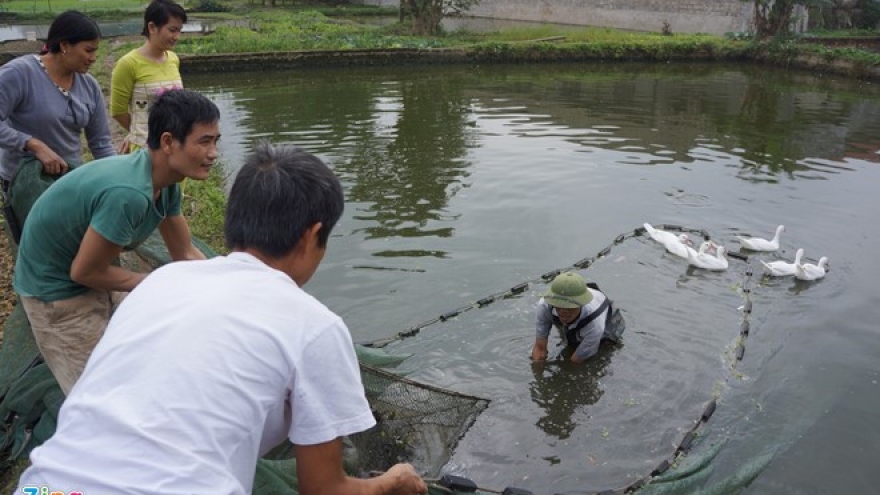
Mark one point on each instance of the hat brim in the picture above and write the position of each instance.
(567, 302)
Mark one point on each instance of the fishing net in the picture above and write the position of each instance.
(416, 423)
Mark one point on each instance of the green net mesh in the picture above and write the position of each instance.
(27, 185)
(416, 423)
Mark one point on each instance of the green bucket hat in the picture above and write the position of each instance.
(568, 290)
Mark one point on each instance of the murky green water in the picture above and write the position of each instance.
(464, 181)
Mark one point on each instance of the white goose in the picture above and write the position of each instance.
(809, 271)
(711, 247)
(759, 244)
(783, 268)
(706, 261)
(675, 244)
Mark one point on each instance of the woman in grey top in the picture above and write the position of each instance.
(48, 100)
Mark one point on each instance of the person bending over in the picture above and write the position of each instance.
(207, 365)
(66, 273)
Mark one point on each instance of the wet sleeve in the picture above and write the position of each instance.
(589, 345)
(592, 334)
(543, 320)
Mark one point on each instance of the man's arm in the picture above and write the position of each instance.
(543, 323)
(175, 232)
(93, 265)
(539, 349)
(319, 472)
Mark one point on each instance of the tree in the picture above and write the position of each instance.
(427, 14)
(774, 17)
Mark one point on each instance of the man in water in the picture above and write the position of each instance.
(582, 314)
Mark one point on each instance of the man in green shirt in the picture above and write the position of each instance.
(65, 271)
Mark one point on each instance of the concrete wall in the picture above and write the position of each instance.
(683, 16)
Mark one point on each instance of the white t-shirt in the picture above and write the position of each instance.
(204, 367)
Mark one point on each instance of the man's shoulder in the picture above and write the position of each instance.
(120, 169)
(269, 293)
(597, 294)
(599, 298)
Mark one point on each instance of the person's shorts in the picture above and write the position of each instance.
(68, 330)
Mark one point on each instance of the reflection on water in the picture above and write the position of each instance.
(463, 181)
(561, 388)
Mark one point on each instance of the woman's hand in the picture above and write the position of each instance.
(124, 147)
(52, 163)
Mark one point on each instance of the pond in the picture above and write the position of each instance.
(464, 181)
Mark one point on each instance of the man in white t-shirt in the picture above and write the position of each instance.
(207, 365)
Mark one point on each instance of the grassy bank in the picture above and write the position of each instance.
(204, 207)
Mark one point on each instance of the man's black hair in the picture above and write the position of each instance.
(177, 111)
(279, 193)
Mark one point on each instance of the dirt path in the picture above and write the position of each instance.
(7, 303)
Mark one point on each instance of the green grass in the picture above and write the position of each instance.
(204, 206)
(307, 30)
(43, 9)
(47, 9)
(844, 33)
(9, 477)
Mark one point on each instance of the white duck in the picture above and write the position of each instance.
(706, 261)
(759, 244)
(809, 271)
(710, 247)
(675, 244)
(783, 268)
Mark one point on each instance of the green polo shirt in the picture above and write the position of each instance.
(112, 195)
